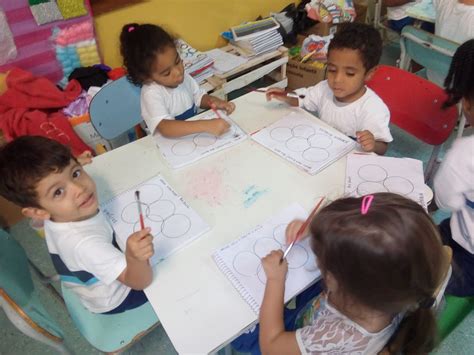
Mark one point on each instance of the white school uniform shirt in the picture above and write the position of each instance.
(454, 21)
(159, 102)
(87, 261)
(454, 190)
(399, 12)
(368, 112)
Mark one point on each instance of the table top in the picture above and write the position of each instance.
(424, 11)
(198, 307)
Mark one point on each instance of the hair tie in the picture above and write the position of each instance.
(131, 28)
(366, 202)
(427, 303)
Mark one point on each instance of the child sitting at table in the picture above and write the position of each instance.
(169, 96)
(42, 176)
(343, 101)
(454, 182)
(381, 260)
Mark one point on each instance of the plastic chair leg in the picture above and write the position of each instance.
(462, 123)
(26, 329)
(430, 167)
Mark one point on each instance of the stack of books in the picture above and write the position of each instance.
(257, 37)
(196, 64)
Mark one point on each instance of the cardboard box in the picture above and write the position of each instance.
(303, 75)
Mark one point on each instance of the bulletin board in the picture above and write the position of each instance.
(50, 38)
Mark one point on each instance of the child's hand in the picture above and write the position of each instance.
(274, 270)
(217, 126)
(366, 140)
(140, 245)
(292, 230)
(277, 93)
(229, 107)
(85, 158)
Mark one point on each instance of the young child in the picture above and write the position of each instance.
(169, 96)
(454, 182)
(380, 260)
(41, 176)
(343, 101)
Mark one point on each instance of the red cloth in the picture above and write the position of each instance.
(116, 73)
(31, 106)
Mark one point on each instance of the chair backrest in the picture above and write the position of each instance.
(432, 52)
(115, 108)
(414, 104)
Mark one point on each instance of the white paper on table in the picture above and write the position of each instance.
(225, 62)
(240, 261)
(304, 142)
(366, 174)
(173, 222)
(182, 151)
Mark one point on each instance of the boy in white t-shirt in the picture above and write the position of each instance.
(343, 100)
(41, 176)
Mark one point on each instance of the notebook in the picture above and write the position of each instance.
(182, 151)
(240, 261)
(173, 222)
(304, 142)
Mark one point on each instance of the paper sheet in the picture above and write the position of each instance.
(173, 223)
(366, 174)
(240, 261)
(304, 142)
(225, 62)
(183, 151)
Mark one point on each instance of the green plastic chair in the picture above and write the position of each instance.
(19, 299)
(112, 332)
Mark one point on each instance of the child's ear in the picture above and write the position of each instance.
(468, 109)
(36, 213)
(370, 73)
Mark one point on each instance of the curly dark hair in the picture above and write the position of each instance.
(27, 160)
(459, 82)
(362, 37)
(139, 45)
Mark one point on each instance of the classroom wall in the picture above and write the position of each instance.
(199, 22)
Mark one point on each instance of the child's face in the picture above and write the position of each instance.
(168, 69)
(346, 74)
(68, 196)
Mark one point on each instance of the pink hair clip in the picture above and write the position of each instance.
(366, 202)
(131, 28)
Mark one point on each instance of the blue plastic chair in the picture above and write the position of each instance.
(19, 299)
(432, 52)
(111, 332)
(115, 109)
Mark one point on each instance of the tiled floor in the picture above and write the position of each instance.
(461, 341)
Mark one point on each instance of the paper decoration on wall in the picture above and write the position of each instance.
(75, 47)
(72, 8)
(7, 44)
(45, 11)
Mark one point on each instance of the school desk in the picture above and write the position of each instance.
(232, 190)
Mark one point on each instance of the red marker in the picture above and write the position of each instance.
(140, 214)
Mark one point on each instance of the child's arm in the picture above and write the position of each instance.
(273, 338)
(177, 128)
(275, 93)
(368, 143)
(85, 157)
(138, 274)
(208, 101)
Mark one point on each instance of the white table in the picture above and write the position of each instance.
(198, 307)
(423, 11)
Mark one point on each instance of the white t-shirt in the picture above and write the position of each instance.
(368, 112)
(331, 332)
(399, 12)
(454, 21)
(87, 261)
(159, 102)
(454, 190)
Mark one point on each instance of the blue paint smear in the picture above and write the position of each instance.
(252, 194)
